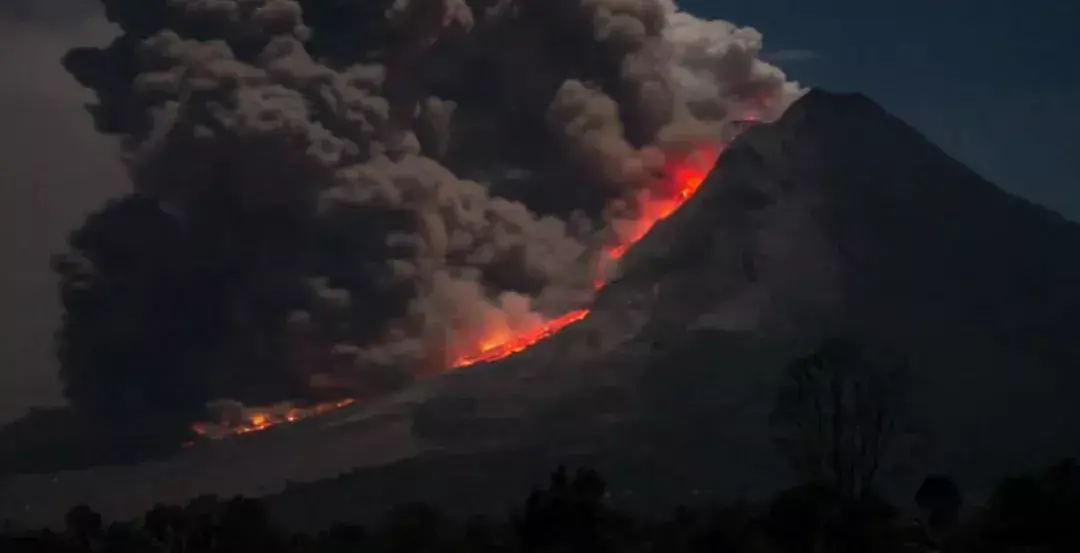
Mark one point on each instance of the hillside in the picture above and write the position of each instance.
(837, 219)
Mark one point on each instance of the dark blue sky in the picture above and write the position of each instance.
(996, 83)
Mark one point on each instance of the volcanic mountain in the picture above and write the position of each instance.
(839, 219)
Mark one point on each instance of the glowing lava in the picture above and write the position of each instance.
(683, 176)
(503, 345)
(257, 419)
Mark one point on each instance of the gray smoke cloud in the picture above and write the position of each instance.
(354, 193)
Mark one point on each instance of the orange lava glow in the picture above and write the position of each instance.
(682, 178)
(497, 346)
(256, 419)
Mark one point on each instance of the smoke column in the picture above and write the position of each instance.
(346, 195)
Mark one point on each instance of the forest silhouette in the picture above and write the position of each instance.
(838, 420)
(1031, 512)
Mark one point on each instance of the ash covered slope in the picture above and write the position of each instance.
(978, 286)
(838, 218)
(841, 219)
(864, 228)
(854, 224)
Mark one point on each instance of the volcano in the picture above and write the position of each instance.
(839, 219)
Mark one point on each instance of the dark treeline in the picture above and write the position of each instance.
(840, 419)
(1033, 512)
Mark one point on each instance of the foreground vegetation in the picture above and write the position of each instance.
(1035, 512)
(840, 419)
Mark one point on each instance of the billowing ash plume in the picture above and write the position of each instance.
(342, 195)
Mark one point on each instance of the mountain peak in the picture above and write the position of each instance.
(839, 219)
(842, 219)
(823, 101)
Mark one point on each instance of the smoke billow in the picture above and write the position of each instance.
(343, 195)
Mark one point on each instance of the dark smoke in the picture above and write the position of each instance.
(340, 195)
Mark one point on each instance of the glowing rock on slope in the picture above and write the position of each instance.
(500, 346)
(258, 419)
(683, 177)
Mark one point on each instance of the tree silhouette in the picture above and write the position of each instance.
(939, 499)
(245, 526)
(1038, 509)
(568, 515)
(413, 528)
(343, 538)
(84, 525)
(167, 526)
(837, 417)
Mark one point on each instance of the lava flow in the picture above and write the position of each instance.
(256, 419)
(683, 176)
(505, 344)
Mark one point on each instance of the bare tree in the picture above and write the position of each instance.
(837, 416)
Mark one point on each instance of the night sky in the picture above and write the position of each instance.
(994, 82)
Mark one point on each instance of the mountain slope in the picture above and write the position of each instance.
(856, 225)
(838, 219)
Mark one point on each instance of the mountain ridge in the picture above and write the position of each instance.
(837, 219)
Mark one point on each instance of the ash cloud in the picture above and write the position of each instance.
(333, 198)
